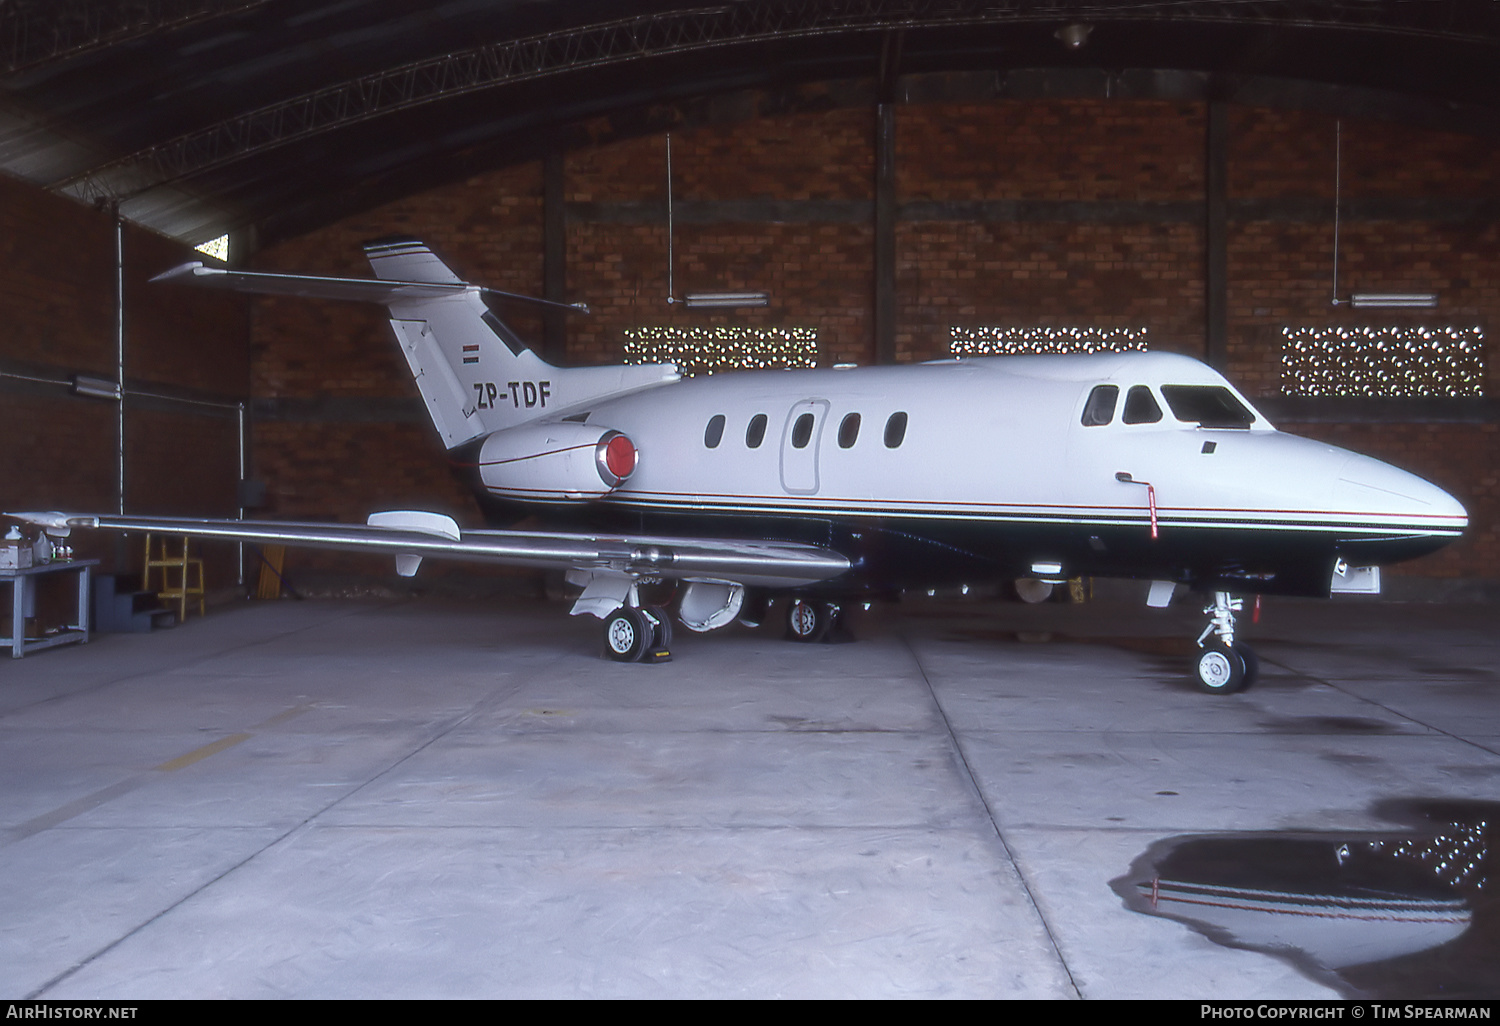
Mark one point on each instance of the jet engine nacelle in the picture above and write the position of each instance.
(556, 461)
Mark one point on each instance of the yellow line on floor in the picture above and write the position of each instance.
(213, 748)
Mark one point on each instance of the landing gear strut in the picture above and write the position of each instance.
(1224, 666)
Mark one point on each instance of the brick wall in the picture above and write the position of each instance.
(1059, 212)
(57, 294)
(1050, 150)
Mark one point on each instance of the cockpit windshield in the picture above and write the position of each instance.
(1210, 406)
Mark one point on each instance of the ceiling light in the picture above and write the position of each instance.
(1074, 36)
(725, 299)
(97, 388)
(1393, 299)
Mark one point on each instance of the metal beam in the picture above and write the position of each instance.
(554, 257)
(34, 32)
(507, 61)
(1216, 237)
(885, 233)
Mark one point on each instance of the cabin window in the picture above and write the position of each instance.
(802, 431)
(895, 430)
(715, 432)
(756, 432)
(1210, 406)
(1100, 409)
(1141, 406)
(848, 431)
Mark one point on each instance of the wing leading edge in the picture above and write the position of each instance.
(411, 536)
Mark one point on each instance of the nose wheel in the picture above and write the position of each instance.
(1224, 665)
(1220, 670)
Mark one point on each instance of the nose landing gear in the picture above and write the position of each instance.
(1224, 666)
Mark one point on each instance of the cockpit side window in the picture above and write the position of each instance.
(1210, 406)
(1141, 406)
(1100, 409)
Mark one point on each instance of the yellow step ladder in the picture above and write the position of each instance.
(188, 583)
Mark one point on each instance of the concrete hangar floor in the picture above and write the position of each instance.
(426, 798)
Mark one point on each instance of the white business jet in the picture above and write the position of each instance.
(832, 486)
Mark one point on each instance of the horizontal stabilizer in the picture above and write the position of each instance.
(362, 290)
(462, 356)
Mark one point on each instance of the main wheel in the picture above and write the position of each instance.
(661, 627)
(806, 621)
(627, 635)
(1220, 670)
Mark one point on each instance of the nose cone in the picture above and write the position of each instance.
(1397, 498)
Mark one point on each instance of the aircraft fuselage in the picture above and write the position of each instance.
(959, 471)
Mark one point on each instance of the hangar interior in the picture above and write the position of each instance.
(1302, 194)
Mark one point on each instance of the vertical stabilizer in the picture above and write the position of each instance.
(475, 375)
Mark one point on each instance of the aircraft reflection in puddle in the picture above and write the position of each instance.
(1407, 913)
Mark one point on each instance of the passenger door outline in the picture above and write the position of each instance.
(799, 466)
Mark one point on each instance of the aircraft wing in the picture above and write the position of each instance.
(411, 536)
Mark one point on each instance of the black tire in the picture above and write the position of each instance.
(627, 635)
(1252, 664)
(1219, 670)
(806, 621)
(661, 627)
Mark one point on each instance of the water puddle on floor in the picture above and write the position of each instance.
(1411, 912)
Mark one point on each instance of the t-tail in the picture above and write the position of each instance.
(475, 375)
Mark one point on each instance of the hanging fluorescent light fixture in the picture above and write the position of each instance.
(709, 300)
(1393, 299)
(96, 388)
(701, 300)
(1364, 300)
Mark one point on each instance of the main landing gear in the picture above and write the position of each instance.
(1224, 665)
(810, 621)
(638, 634)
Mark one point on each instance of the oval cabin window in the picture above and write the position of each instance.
(849, 431)
(802, 431)
(895, 430)
(756, 432)
(715, 433)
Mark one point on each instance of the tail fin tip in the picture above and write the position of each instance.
(404, 258)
